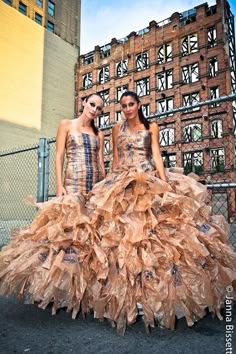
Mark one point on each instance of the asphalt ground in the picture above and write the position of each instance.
(28, 329)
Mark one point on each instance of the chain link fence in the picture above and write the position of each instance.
(200, 138)
(18, 180)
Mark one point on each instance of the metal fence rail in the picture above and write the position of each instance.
(199, 138)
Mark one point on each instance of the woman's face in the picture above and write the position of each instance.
(93, 107)
(129, 107)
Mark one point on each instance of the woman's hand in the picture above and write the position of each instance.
(60, 191)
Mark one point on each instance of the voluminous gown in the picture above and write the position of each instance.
(133, 239)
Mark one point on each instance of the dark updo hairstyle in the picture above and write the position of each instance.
(95, 129)
(142, 118)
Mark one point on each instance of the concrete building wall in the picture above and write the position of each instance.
(36, 80)
(65, 18)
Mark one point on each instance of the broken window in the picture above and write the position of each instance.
(122, 68)
(213, 66)
(87, 80)
(146, 110)
(106, 146)
(217, 160)
(142, 87)
(216, 128)
(211, 37)
(189, 44)
(190, 73)
(169, 160)
(142, 61)
(118, 116)
(103, 120)
(105, 51)
(167, 136)
(214, 93)
(104, 75)
(88, 58)
(193, 162)
(165, 105)
(192, 132)
(119, 91)
(165, 80)
(105, 96)
(190, 100)
(164, 53)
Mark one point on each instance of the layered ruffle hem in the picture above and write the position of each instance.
(134, 239)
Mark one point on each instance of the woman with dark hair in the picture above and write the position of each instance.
(161, 251)
(137, 242)
(83, 144)
(137, 127)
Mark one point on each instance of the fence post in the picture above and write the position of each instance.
(43, 170)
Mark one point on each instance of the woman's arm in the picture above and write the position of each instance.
(60, 150)
(156, 152)
(101, 153)
(115, 161)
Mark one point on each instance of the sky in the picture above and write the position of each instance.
(102, 20)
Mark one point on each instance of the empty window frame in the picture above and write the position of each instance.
(165, 105)
(104, 75)
(107, 146)
(211, 37)
(119, 91)
(169, 160)
(165, 80)
(87, 80)
(192, 132)
(103, 120)
(142, 61)
(193, 162)
(191, 99)
(167, 136)
(189, 44)
(105, 96)
(118, 116)
(88, 59)
(217, 160)
(122, 68)
(146, 110)
(190, 73)
(142, 87)
(214, 93)
(105, 51)
(216, 128)
(164, 53)
(213, 66)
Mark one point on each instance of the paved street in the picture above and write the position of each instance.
(28, 329)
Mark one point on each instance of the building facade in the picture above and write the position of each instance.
(39, 40)
(61, 17)
(179, 62)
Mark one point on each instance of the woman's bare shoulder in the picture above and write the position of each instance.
(116, 127)
(154, 127)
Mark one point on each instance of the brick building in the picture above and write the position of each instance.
(181, 61)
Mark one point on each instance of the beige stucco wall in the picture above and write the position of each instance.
(36, 80)
(21, 68)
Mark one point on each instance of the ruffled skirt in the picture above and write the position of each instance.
(133, 239)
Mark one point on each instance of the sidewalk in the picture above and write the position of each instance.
(28, 329)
